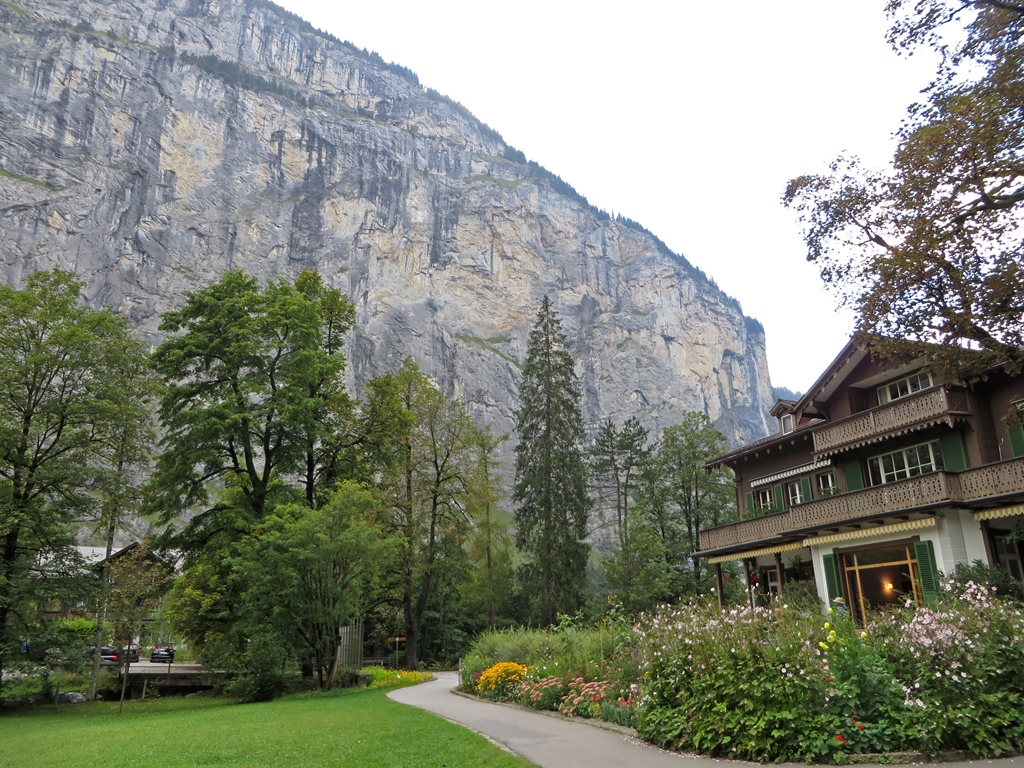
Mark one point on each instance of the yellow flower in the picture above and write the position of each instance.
(863, 635)
(827, 625)
(823, 645)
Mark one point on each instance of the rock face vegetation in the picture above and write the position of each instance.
(150, 147)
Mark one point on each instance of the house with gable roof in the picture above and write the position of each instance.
(879, 478)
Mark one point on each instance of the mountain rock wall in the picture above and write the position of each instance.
(151, 145)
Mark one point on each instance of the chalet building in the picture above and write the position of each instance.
(878, 478)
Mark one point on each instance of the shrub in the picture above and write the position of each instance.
(996, 577)
(260, 675)
(544, 693)
(960, 663)
(783, 684)
(747, 683)
(621, 712)
(384, 678)
(501, 681)
(584, 699)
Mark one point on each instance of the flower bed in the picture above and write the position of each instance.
(774, 685)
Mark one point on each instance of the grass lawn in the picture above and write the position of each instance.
(358, 728)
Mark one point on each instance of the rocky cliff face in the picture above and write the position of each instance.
(151, 145)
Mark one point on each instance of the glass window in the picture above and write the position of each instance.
(764, 500)
(905, 463)
(826, 483)
(908, 385)
(794, 493)
(787, 423)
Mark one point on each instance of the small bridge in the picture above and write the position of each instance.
(170, 679)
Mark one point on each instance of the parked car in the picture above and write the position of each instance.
(162, 654)
(107, 653)
(131, 651)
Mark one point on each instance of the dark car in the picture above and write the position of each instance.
(130, 651)
(107, 653)
(162, 654)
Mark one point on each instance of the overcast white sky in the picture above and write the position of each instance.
(687, 117)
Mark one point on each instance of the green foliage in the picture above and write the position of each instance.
(487, 344)
(4, 173)
(550, 494)
(244, 367)
(544, 693)
(393, 678)
(428, 487)
(996, 577)
(617, 457)
(60, 409)
(677, 499)
(786, 684)
(236, 74)
(489, 588)
(585, 699)
(927, 251)
(308, 572)
(138, 583)
(259, 671)
(961, 664)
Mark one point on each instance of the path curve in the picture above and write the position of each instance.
(554, 742)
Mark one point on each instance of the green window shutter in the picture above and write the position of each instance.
(780, 498)
(750, 503)
(925, 554)
(1017, 442)
(805, 488)
(954, 452)
(853, 476)
(831, 577)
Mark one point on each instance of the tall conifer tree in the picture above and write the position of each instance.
(550, 494)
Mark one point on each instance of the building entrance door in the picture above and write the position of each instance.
(879, 576)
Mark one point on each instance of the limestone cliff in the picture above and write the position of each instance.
(150, 145)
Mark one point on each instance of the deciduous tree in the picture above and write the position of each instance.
(428, 490)
(244, 369)
(59, 411)
(307, 572)
(616, 459)
(680, 498)
(928, 250)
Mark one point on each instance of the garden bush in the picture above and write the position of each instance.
(784, 684)
(544, 693)
(501, 681)
(558, 662)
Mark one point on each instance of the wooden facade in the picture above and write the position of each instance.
(882, 476)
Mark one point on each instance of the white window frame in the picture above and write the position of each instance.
(764, 499)
(905, 387)
(794, 493)
(788, 422)
(827, 488)
(912, 461)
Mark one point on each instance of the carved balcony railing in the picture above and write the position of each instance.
(1005, 478)
(754, 529)
(1002, 479)
(931, 406)
(933, 488)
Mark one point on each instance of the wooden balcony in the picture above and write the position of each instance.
(934, 488)
(754, 529)
(932, 406)
(992, 481)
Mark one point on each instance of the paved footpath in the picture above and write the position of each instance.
(554, 742)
